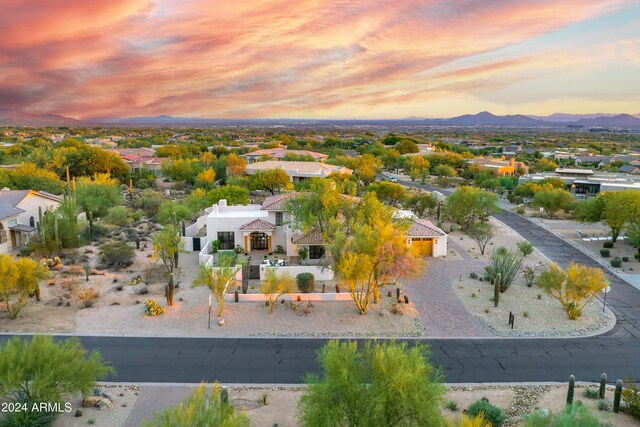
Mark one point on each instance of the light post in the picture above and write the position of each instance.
(605, 291)
(209, 325)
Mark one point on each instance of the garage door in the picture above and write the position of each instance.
(423, 246)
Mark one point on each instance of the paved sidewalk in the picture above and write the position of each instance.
(155, 398)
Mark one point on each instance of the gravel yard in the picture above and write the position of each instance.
(282, 402)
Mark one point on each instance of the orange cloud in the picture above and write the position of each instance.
(265, 58)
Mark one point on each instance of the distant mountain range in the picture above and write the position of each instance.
(9, 117)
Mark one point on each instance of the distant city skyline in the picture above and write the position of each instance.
(319, 59)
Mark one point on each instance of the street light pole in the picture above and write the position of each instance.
(606, 291)
(209, 325)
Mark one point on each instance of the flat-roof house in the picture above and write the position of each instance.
(281, 153)
(19, 215)
(298, 171)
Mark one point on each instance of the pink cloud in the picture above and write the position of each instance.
(262, 58)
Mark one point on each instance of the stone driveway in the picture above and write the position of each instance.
(442, 313)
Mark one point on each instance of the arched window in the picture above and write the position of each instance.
(32, 222)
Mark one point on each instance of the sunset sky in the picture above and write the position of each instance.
(319, 58)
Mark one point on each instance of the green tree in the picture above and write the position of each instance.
(574, 288)
(149, 201)
(406, 146)
(167, 244)
(271, 180)
(218, 279)
(554, 200)
(19, 279)
(68, 223)
(182, 170)
(469, 205)
(481, 233)
(388, 192)
(28, 176)
(167, 209)
(98, 195)
(276, 285)
(421, 203)
(378, 384)
(48, 371)
(233, 194)
(443, 170)
(615, 209)
(201, 408)
(117, 215)
(507, 263)
(236, 165)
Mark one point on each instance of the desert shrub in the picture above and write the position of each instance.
(26, 251)
(142, 184)
(52, 371)
(607, 244)
(136, 216)
(603, 405)
(149, 201)
(203, 407)
(631, 398)
(399, 378)
(526, 248)
(625, 259)
(605, 253)
(75, 270)
(88, 296)
(591, 392)
(306, 282)
(473, 276)
(616, 262)
(117, 215)
(152, 308)
(116, 254)
(520, 210)
(451, 405)
(505, 262)
(492, 414)
(572, 415)
(143, 290)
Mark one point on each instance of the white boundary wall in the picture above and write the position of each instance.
(319, 273)
(342, 296)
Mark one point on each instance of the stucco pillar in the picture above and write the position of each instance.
(247, 249)
(269, 243)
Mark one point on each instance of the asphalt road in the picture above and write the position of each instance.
(287, 360)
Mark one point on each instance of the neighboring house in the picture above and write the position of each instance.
(298, 171)
(500, 166)
(592, 161)
(630, 169)
(280, 153)
(425, 148)
(269, 226)
(19, 215)
(141, 158)
(584, 183)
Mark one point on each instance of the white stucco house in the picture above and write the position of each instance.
(268, 226)
(19, 215)
(298, 171)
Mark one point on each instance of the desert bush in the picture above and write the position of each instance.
(87, 296)
(526, 248)
(631, 398)
(306, 282)
(451, 405)
(616, 262)
(572, 415)
(152, 308)
(399, 378)
(201, 408)
(74, 270)
(473, 276)
(505, 262)
(625, 259)
(116, 254)
(143, 290)
(53, 370)
(605, 253)
(19, 279)
(591, 392)
(492, 414)
(608, 244)
(117, 215)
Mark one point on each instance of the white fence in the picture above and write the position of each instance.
(342, 296)
(319, 273)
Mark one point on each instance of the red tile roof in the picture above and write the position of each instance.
(276, 202)
(310, 238)
(423, 228)
(258, 225)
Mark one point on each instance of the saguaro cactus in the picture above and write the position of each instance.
(572, 386)
(90, 226)
(168, 290)
(603, 384)
(496, 290)
(617, 396)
